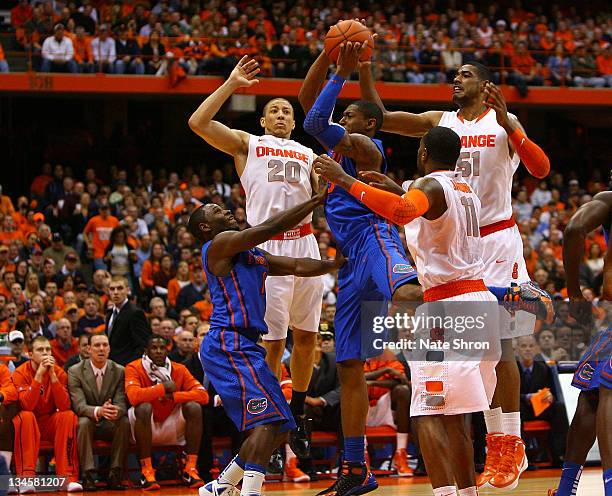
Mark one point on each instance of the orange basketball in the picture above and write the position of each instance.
(348, 31)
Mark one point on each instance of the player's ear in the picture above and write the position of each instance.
(262, 121)
(205, 229)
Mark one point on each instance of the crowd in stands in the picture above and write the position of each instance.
(67, 245)
(417, 42)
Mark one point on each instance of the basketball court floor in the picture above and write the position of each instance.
(534, 483)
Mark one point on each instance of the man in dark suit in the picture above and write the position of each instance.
(126, 325)
(97, 393)
(535, 376)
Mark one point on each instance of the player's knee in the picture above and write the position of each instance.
(401, 393)
(408, 292)
(192, 410)
(352, 366)
(304, 339)
(143, 411)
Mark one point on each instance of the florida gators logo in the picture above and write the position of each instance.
(257, 406)
(586, 372)
(402, 268)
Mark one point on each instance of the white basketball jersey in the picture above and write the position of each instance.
(485, 162)
(276, 177)
(448, 249)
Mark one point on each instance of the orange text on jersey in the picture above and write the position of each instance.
(481, 140)
(463, 187)
(277, 152)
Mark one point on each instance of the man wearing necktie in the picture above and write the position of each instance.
(126, 325)
(535, 376)
(97, 391)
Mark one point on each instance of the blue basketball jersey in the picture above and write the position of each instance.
(346, 216)
(239, 298)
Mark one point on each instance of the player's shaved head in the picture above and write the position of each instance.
(196, 220)
(370, 111)
(209, 220)
(443, 146)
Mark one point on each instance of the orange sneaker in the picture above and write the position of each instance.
(400, 464)
(512, 464)
(494, 446)
(552, 492)
(293, 472)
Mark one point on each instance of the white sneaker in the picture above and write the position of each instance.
(74, 487)
(27, 490)
(215, 488)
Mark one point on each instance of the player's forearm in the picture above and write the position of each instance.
(285, 220)
(318, 119)
(366, 85)
(207, 110)
(309, 267)
(313, 82)
(573, 254)
(535, 159)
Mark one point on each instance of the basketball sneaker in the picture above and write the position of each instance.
(192, 479)
(147, 480)
(293, 472)
(512, 463)
(216, 488)
(355, 478)
(494, 447)
(299, 438)
(552, 492)
(530, 298)
(400, 464)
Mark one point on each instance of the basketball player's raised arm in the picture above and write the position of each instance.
(425, 195)
(231, 141)
(313, 82)
(589, 217)
(397, 122)
(229, 243)
(534, 158)
(332, 136)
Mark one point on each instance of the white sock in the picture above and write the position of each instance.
(232, 474)
(402, 440)
(445, 491)
(493, 419)
(289, 454)
(511, 423)
(469, 491)
(7, 455)
(252, 483)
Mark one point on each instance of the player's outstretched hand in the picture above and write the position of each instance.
(494, 98)
(244, 73)
(380, 181)
(348, 59)
(327, 167)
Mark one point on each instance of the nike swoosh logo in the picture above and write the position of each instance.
(499, 261)
(608, 480)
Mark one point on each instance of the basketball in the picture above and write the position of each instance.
(348, 31)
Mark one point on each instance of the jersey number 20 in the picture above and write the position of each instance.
(279, 171)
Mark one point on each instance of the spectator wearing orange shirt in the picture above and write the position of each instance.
(4, 67)
(45, 414)
(83, 53)
(166, 403)
(64, 345)
(8, 409)
(21, 13)
(97, 234)
(389, 392)
(177, 283)
(151, 266)
(526, 71)
(604, 64)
